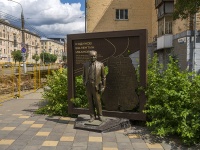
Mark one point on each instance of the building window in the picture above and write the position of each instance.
(121, 14)
(15, 40)
(165, 25)
(168, 27)
(161, 27)
(165, 8)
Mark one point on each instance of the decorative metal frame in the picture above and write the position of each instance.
(142, 35)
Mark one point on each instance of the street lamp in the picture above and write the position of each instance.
(85, 16)
(23, 34)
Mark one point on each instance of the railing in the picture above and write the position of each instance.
(15, 84)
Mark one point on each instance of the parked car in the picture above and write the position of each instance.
(7, 65)
(29, 65)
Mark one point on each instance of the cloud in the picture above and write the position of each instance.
(51, 17)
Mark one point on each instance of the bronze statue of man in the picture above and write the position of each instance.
(94, 81)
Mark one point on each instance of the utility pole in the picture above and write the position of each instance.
(194, 44)
(23, 45)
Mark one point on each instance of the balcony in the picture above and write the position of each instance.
(159, 2)
(165, 41)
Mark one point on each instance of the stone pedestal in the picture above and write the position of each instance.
(108, 124)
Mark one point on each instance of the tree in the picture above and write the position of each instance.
(44, 57)
(53, 58)
(36, 58)
(48, 58)
(17, 56)
(64, 58)
(184, 9)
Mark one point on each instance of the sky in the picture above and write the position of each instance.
(55, 18)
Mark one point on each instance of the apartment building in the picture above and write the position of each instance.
(53, 47)
(114, 15)
(175, 37)
(11, 39)
(165, 36)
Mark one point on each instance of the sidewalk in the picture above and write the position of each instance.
(21, 129)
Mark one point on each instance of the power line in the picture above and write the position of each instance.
(17, 22)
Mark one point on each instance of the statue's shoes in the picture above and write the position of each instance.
(101, 118)
(91, 119)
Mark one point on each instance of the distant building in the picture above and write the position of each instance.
(63, 41)
(53, 47)
(11, 39)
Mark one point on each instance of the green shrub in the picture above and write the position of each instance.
(56, 96)
(173, 105)
(80, 99)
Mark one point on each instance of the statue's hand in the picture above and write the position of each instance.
(102, 89)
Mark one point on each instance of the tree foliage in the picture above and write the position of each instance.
(56, 97)
(36, 58)
(53, 58)
(185, 8)
(173, 105)
(48, 58)
(64, 58)
(17, 56)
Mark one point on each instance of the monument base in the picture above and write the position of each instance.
(108, 124)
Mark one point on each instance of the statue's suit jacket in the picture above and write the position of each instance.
(99, 74)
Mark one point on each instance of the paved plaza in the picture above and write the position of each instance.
(21, 129)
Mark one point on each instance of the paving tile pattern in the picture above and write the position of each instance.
(21, 129)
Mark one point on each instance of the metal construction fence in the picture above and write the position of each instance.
(14, 83)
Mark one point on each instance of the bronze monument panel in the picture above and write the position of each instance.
(106, 47)
(113, 49)
(121, 84)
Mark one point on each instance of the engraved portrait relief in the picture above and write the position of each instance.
(121, 84)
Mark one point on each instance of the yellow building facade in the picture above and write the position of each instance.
(107, 15)
(165, 36)
(53, 47)
(11, 40)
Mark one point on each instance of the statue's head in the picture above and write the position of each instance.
(93, 56)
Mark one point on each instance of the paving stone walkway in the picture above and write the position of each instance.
(21, 129)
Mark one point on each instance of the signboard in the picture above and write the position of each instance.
(108, 45)
(23, 44)
(105, 47)
(182, 40)
(23, 50)
(23, 56)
